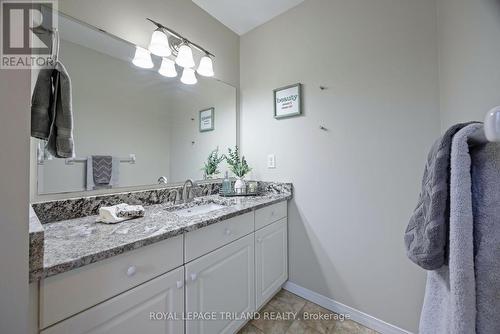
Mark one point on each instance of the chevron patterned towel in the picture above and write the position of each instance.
(102, 166)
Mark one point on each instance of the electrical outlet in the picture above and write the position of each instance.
(271, 161)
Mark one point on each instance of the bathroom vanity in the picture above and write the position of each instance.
(198, 267)
(168, 272)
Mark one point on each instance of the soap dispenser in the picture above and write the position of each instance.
(226, 184)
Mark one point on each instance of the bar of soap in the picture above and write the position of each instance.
(129, 211)
(118, 213)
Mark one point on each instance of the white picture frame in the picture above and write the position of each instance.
(288, 101)
(206, 119)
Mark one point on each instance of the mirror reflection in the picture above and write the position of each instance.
(140, 126)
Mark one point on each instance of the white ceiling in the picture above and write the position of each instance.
(242, 16)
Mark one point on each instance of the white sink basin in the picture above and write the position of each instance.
(198, 210)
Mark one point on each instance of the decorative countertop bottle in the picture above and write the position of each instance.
(226, 184)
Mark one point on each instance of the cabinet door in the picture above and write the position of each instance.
(149, 308)
(218, 283)
(271, 260)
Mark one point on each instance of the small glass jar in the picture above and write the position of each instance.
(252, 187)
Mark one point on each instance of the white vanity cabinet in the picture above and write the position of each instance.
(66, 294)
(218, 283)
(144, 309)
(206, 239)
(271, 260)
(202, 282)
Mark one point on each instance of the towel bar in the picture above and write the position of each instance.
(71, 161)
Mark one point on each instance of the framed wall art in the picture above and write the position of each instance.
(288, 101)
(207, 119)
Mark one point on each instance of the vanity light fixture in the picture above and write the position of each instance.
(188, 76)
(167, 68)
(206, 67)
(142, 58)
(159, 44)
(185, 56)
(164, 43)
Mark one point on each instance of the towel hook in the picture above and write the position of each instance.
(55, 45)
(492, 125)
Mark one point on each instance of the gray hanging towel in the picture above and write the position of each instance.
(51, 111)
(427, 231)
(60, 143)
(103, 172)
(41, 102)
(102, 168)
(450, 293)
(485, 173)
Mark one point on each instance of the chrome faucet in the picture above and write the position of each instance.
(176, 196)
(162, 180)
(185, 192)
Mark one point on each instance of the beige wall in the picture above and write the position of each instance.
(14, 199)
(357, 183)
(469, 59)
(189, 147)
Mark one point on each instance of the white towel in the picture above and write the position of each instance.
(118, 213)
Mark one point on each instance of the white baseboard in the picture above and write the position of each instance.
(334, 306)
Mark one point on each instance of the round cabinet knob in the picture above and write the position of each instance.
(180, 284)
(193, 277)
(227, 231)
(131, 271)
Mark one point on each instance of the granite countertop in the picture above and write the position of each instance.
(36, 239)
(74, 243)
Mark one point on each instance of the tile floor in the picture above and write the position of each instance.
(286, 301)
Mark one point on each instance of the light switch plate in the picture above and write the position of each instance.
(271, 161)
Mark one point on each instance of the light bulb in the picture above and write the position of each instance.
(36, 18)
(159, 44)
(167, 68)
(185, 57)
(206, 67)
(188, 76)
(142, 58)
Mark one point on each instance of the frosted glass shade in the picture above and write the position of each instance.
(167, 68)
(142, 58)
(185, 57)
(206, 67)
(159, 44)
(188, 76)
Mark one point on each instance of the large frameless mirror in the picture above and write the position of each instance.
(151, 125)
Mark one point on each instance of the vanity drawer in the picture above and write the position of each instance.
(129, 312)
(270, 214)
(66, 294)
(206, 239)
